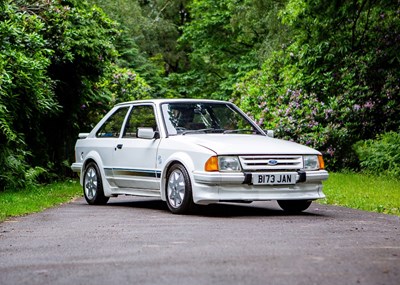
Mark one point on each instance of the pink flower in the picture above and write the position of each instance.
(369, 105)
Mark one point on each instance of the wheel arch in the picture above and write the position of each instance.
(95, 158)
(179, 158)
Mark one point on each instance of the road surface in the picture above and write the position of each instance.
(138, 241)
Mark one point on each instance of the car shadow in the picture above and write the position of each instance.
(140, 204)
(242, 210)
(219, 210)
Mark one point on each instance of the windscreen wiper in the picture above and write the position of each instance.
(208, 130)
(239, 131)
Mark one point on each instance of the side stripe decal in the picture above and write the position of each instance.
(134, 172)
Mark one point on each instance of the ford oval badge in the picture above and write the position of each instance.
(272, 162)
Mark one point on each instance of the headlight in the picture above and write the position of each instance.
(229, 163)
(311, 162)
(223, 163)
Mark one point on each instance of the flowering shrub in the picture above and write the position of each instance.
(122, 84)
(332, 126)
(335, 83)
(301, 117)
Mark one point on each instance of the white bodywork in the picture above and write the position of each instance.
(139, 166)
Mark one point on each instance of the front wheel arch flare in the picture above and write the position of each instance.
(180, 158)
(178, 189)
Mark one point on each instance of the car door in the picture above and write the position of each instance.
(106, 137)
(134, 160)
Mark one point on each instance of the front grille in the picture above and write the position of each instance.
(271, 162)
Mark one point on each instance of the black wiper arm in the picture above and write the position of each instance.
(239, 131)
(208, 130)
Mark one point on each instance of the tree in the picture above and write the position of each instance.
(148, 39)
(55, 61)
(26, 93)
(227, 39)
(342, 57)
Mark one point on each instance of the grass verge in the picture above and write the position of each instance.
(365, 192)
(353, 190)
(36, 199)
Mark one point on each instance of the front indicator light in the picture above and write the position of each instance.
(321, 162)
(211, 164)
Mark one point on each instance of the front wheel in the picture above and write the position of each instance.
(179, 190)
(93, 186)
(294, 206)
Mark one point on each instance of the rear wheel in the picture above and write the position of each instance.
(179, 190)
(294, 206)
(93, 186)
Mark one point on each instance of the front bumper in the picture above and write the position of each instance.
(246, 177)
(213, 187)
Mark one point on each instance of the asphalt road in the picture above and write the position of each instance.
(137, 241)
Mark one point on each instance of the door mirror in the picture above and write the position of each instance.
(83, 135)
(269, 133)
(146, 133)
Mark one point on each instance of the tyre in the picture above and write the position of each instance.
(294, 206)
(179, 190)
(93, 186)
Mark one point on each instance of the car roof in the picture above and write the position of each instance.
(178, 100)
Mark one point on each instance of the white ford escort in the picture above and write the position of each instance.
(190, 151)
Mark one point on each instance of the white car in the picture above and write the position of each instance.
(190, 151)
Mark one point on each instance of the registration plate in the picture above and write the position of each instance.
(274, 178)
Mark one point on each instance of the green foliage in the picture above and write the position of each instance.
(148, 39)
(23, 61)
(323, 73)
(26, 93)
(380, 155)
(161, 29)
(226, 39)
(341, 57)
(13, 167)
(84, 68)
(124, 85)
(57, 62)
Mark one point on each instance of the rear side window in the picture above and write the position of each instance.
(112, 127)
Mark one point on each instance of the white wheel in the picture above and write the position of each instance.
(179, 190)
(92, 186)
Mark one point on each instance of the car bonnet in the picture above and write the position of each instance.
(231, 144)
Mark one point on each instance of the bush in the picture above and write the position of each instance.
(301, 116)
(380, 156)
(335, 82)
(57, 74)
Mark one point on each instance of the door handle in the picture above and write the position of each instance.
(119, 146)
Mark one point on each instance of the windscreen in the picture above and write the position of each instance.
(204, 117)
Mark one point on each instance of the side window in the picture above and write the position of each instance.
(112, 127)
(140, 117)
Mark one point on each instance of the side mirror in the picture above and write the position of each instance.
(146, 133)
(269, 133)
(83, 135)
